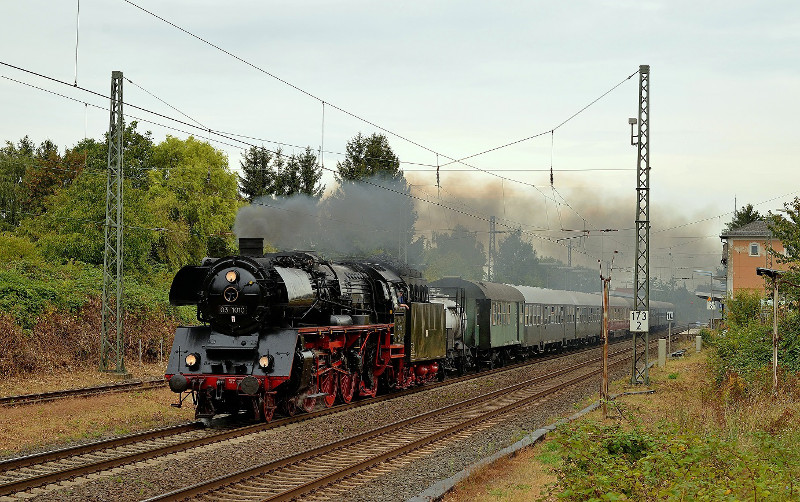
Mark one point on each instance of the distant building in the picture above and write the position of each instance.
(744, 249)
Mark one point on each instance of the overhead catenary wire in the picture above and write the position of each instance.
(164, 116)
(371, 123)
(232, 137)
(436, 203)
(246, 143)
(242, 144)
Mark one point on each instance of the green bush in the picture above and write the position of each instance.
(14, 248)
(600, 463)
(743, 351)
(743, 307)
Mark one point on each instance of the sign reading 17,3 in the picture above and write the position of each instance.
(639, 321)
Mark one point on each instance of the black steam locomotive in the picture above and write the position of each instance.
(286, 330)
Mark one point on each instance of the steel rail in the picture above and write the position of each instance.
(228, 480)
(82, 392)
(41, 458)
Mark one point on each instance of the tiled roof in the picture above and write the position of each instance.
(757, 228)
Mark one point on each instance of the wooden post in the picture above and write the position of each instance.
(775, 336)
(604, 389)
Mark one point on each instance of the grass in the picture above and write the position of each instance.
(27, 428)
(731, 449)
(511, 479)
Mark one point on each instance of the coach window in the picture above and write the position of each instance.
(753, 249)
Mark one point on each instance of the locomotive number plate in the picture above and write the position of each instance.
(232, 309)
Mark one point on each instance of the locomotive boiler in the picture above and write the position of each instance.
(289, 330)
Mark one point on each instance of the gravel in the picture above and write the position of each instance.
(154, 477)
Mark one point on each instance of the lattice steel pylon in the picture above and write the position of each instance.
(641, 272)
(112, 341)
(491, 260)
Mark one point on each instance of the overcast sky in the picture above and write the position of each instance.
(457, 78)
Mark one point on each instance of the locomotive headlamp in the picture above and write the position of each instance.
(265, 362)
(193, 360)
(231, 276)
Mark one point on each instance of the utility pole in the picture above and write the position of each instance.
(641, 272)
(112, 342)
(492, 265)
(604, 384)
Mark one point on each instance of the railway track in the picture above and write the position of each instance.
(306, 474)
(24, 473)
(126, 386)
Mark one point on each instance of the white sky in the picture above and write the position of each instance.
(458, 78)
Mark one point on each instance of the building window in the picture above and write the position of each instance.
(753, 249)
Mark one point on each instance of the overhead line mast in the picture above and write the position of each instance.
(112, 341)
(641, 271)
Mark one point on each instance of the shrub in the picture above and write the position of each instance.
(743, 307)
(743, 351)
(14, 248)
(601, 463)
(51, 316)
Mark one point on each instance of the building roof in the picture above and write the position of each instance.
(756, 228)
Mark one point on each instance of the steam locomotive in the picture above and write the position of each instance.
(287, 331)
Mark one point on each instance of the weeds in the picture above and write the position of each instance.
(612, 462)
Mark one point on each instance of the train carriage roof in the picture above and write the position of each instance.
(481, 289)
(559, 297)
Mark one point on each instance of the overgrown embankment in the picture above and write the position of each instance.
(733, 437)
(50, 314)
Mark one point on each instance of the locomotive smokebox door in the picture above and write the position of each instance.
(426, 331)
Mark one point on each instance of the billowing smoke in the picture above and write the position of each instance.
(355, 220)
(286, 223)
(555, 219)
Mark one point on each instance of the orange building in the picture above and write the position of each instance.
(743, 250)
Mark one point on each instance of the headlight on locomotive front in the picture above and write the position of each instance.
(265, 362)
(193, 360)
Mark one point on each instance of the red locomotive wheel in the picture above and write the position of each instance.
(347, 386)
(269, 408)
(369, 391)
(328, 385)
(308, 403)
(291, 406)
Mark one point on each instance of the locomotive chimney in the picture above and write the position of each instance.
(251, 246)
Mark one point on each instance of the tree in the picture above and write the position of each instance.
(46, 172)
(457, 253)
(259, 173)
(193, 196)
(743, 217)
(369, 157)
(15, 160)
(517, 262)
(301, 175)
(785, 227)
(71, 226)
